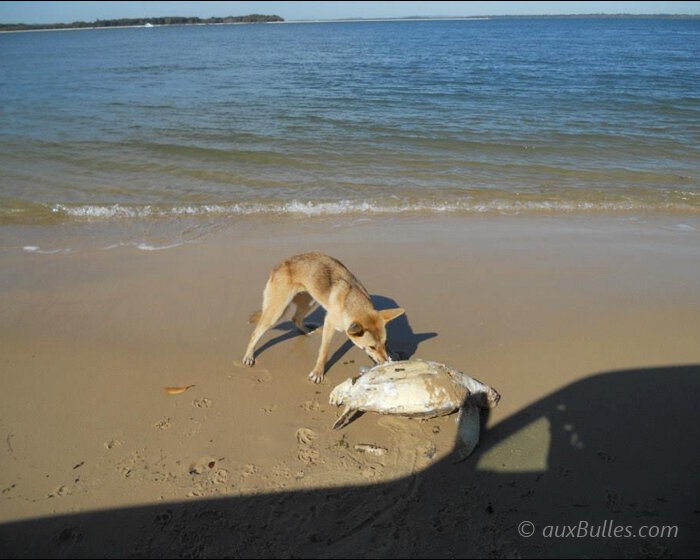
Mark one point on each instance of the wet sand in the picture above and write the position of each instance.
(588, 326)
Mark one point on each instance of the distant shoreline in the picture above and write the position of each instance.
(279, 20)
(127, 27)
(544, 16)
(139, 22)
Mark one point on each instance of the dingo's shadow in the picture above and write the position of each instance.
(402, 342)
(400, 337)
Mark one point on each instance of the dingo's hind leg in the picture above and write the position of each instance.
(277, 296)
(304, 303)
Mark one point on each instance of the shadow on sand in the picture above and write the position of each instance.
(618, 447)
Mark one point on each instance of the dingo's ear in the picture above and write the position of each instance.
(391, 314)
(355, 329)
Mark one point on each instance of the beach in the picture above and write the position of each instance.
(526, 189)
(588, 326)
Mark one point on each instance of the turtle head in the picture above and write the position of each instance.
(481, 394)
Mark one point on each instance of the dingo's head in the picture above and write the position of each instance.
(369, 333)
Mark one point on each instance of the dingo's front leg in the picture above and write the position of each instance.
(317, 373)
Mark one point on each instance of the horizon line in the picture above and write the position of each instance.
(342, 20)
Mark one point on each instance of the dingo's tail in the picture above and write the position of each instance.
(255, 317)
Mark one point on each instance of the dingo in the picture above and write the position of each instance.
(315, 277)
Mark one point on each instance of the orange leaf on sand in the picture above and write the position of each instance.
(177, 390)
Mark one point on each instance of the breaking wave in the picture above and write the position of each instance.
(349, 207)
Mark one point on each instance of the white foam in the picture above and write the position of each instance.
(144, 246)
(93, 211)
(147, 247)
(115, 246)
(342, 207)
(39, 251)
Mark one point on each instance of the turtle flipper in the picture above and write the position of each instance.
(344, 419)
(469, 426)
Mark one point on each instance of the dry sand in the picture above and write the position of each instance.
(588, 326)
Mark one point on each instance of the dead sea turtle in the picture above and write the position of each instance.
(419, 389)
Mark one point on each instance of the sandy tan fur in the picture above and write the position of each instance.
(314, 277)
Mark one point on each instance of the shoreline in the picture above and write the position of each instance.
(135, 26)
(647, 205)
(156, 233)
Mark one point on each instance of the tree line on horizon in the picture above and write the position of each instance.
(132, 22)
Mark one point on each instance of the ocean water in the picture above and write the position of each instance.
(502, 116)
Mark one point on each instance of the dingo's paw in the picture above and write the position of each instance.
(249, 361)
(316, 377)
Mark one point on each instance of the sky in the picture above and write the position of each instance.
(63, 12)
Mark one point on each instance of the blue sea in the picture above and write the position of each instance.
(494, 116)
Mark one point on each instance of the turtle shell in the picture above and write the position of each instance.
(414, 388)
